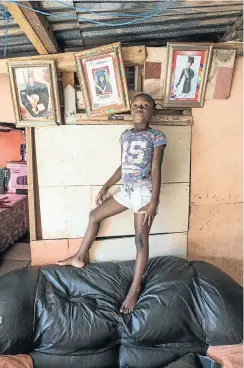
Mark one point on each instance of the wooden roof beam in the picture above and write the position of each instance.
(35, 26)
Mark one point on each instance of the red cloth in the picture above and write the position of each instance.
(229, 356)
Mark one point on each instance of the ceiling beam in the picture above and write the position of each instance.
(35, 26)
(231, 33)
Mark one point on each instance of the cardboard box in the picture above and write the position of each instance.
(18, 176)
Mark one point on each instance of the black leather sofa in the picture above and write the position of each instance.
(66, 317)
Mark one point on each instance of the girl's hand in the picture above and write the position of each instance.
(150, 212)
(102, 196)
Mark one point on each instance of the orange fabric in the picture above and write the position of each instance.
(16, 361)
(229, 356)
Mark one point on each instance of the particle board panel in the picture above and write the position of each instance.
(124, 249)
(89, 155)
(65, 210)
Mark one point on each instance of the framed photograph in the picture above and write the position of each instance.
(186, 75)
(35, 93)
(102, 79)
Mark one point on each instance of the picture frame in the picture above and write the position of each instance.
(186, 74)
(102, 80)
(35, 93)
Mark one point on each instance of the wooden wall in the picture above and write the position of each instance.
(73, 162)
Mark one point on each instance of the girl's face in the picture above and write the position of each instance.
(141, 110)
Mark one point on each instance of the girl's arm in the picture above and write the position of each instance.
(114, 179)
(156, 173)
(101, 197)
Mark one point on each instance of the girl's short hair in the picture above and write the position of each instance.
(148, 97)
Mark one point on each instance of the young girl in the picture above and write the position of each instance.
(142, 150)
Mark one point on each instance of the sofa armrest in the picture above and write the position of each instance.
(17, 308)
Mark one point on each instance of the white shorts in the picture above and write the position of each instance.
(135, 197)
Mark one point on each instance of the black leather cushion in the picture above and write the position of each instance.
(222, 305)
(77, 317)
(17, 308)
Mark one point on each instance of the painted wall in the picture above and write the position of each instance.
(216, 220)
(10, 146)
(6, 103)
(9, 142)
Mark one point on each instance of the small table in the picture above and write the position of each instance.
(14, 221)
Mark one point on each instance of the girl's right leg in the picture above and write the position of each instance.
(107, 209)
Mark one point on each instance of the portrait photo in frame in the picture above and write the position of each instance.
(186, 74)
(102, 80)
(35, 93)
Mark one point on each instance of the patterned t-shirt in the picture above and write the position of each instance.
(137, 156)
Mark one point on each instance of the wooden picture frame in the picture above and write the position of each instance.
(35, 93)
(102, 80)
(186, 74)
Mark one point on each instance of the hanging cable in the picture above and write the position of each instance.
(116, 14)
(94, 21)
(6, 16)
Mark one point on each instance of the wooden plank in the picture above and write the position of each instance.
(159, 107)
(74, 148)
(22, 21)
(36, 193)
(46, 252)
(31, 186)
(228, 34)
(69, 98)
(65, 62)
(41, 27)
(124, 249)
(65, 210)
(125, 119)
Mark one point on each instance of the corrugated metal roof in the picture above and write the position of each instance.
(185, 21)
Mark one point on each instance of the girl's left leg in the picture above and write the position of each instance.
(142, 249)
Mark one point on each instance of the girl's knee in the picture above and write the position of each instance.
(93, 217)
(141, 241)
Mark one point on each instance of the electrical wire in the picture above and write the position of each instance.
(116, 14)
(94, 21)
(6, 16)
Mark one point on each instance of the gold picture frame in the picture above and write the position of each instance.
(35, 93)
(102, 80)
(186, 74)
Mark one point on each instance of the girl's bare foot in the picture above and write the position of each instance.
(130, 300)
(72, 261)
